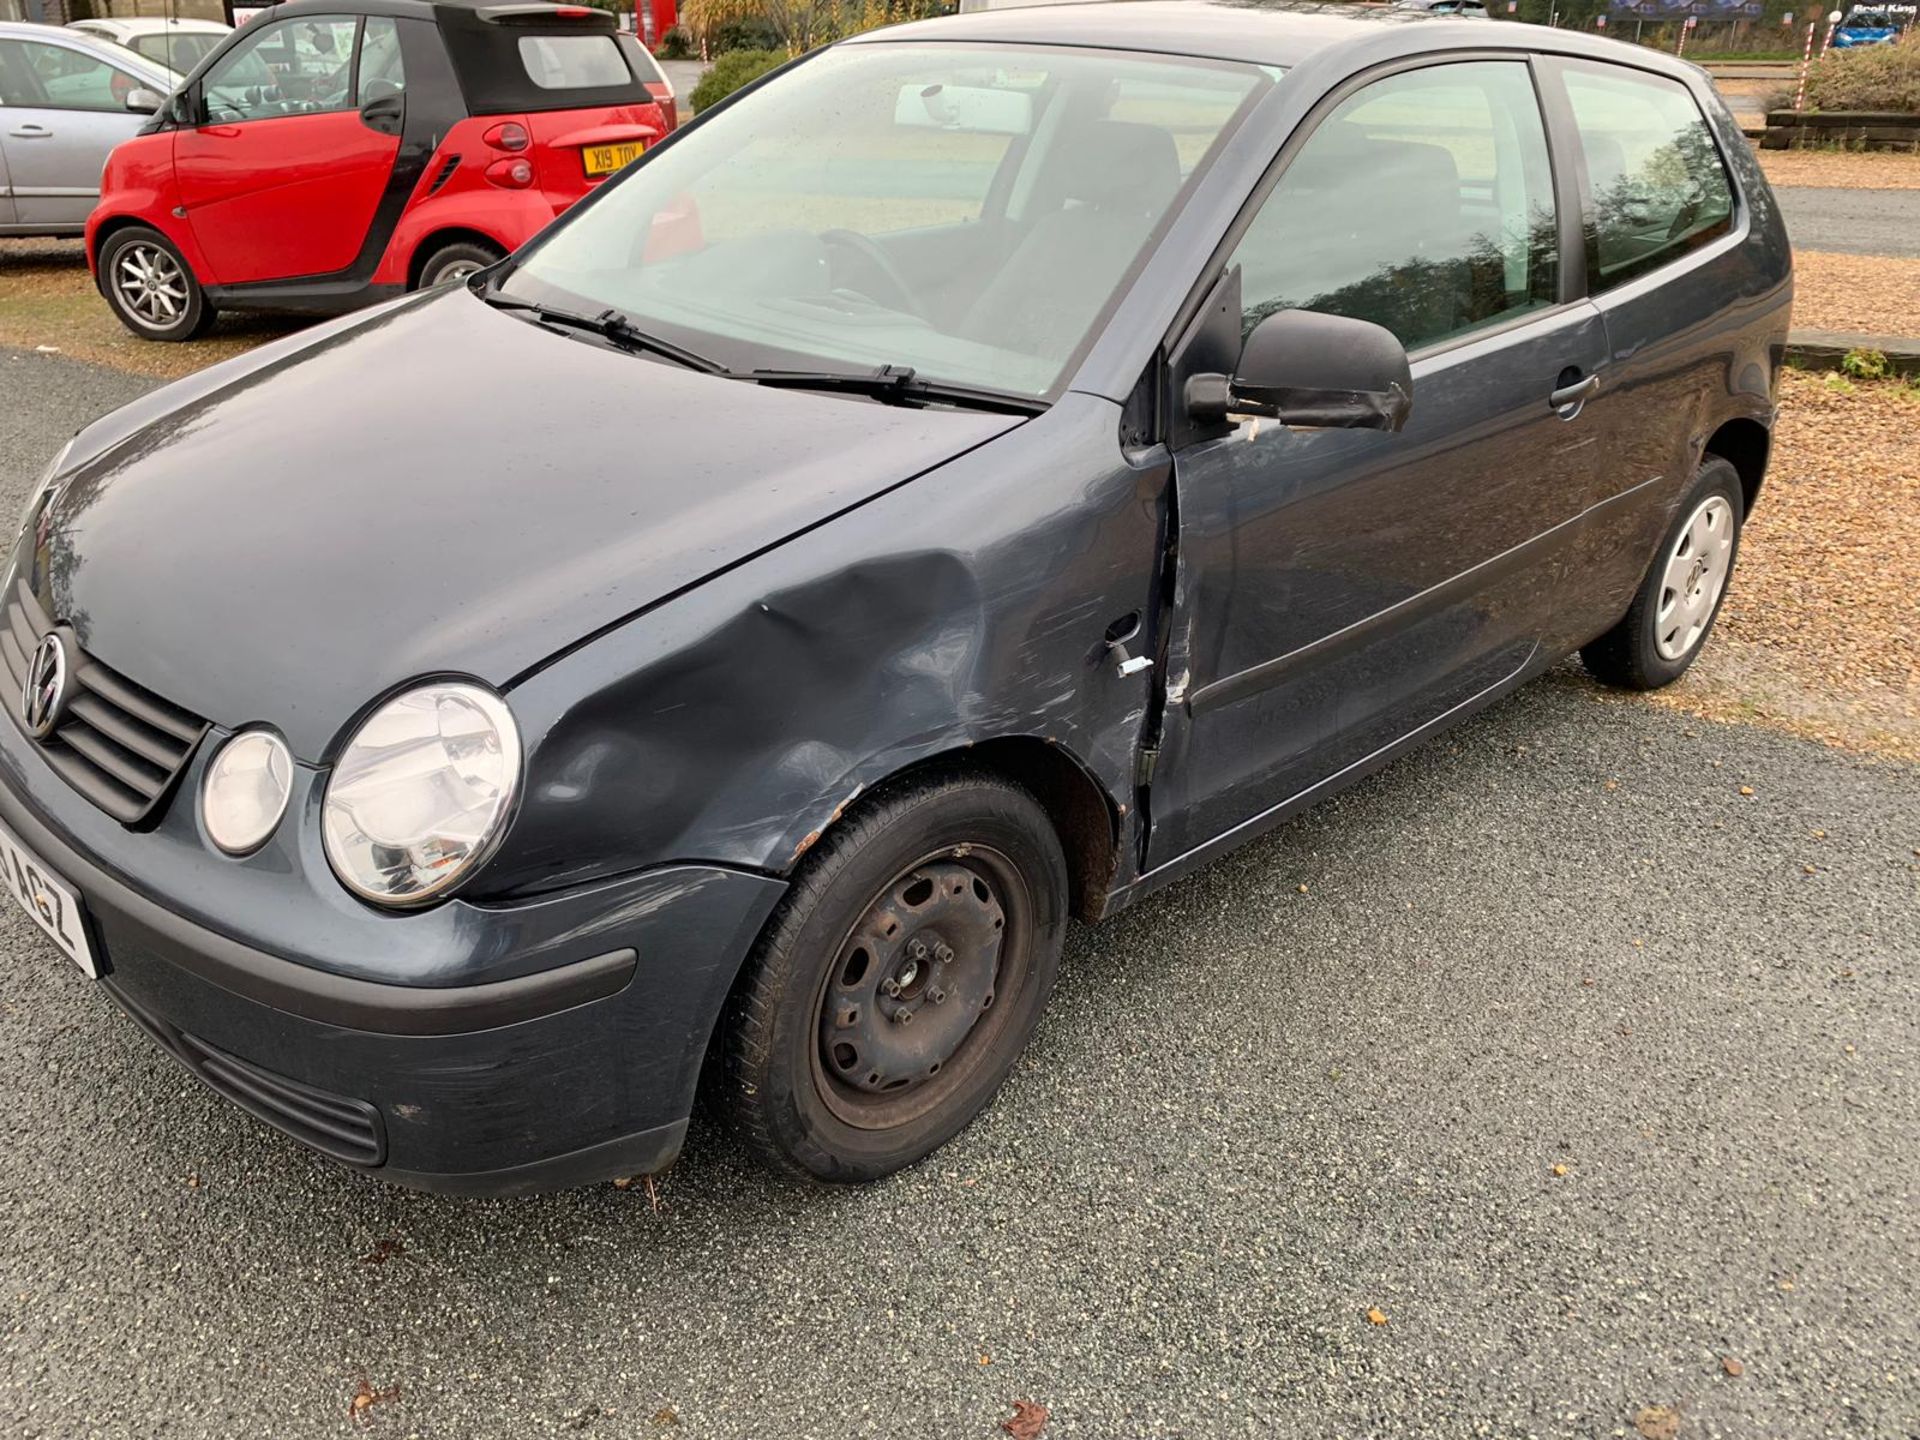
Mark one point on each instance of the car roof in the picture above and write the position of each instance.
(1263, 32)
(93, 44)
(150, 25)
(423, 9)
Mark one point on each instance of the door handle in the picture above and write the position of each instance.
(31, 132)
(1572, 397)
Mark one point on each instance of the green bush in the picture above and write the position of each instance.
(749, 32)
(676, 44)
(730, 72)
(1873, 77)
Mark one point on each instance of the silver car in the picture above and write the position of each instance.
(65, 101)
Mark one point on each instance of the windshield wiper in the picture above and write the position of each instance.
(895, 385)
(610, 325)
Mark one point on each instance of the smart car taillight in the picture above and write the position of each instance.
(508, 135)
(511, 174)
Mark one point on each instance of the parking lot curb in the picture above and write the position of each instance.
(1828, 349)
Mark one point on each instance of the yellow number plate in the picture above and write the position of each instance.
(605, 159)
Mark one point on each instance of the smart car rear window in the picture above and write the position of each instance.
(573, 62)
(534, 63)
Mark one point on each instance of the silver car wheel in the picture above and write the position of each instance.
(454, 270)
(1696, 574)
(151, 285)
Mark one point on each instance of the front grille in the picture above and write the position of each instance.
(336, 1125)
(120, 745)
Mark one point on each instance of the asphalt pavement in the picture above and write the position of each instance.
(1853, 221)
(1596, 1078)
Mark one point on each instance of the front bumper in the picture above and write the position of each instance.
(579, 1071)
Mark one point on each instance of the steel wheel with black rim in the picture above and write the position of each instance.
(898, 982)
(150, 286)
(1674, 610)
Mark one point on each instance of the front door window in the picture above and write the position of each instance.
(296, 67)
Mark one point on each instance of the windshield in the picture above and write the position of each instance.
(967, 212)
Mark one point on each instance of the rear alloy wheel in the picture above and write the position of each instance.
(1674, 610)
(898, 982)
(149, 286)
(456, 262)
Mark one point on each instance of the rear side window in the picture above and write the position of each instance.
(573, 62)
(1656, 185)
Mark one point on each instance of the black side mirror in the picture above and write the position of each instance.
(385, 113)
(1321, 371)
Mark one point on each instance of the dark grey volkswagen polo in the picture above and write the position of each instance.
(962, 483)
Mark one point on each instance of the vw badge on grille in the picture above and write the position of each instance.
(44, 695)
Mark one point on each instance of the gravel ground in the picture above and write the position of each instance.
(1581, 1046)
(1868, 294)
(1861, 169)
(1821, 631)
(47, 298)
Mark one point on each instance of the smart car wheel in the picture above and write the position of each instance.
(1674, 611)
(898, 982)
(150, 287)
(456, 262)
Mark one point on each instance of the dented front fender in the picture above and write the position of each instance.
(735, 722)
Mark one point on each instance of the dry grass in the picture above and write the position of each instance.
(47, 299)
(1821, 631)
(1846, 169)
(1870, 294)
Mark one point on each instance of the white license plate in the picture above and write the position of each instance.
(50, 901)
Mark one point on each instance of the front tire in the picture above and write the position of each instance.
(898, 982)
(1679, 599)
(456, 262)
(150, 288)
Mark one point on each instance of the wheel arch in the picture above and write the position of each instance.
(1745, 444)
(1085, 818)
(447, 235)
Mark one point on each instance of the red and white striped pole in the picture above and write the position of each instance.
(1686, 29)
(1806, 63)
(1833, 24)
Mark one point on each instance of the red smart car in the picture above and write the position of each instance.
(336, 152)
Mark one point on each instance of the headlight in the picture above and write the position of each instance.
(420, 793)
(246, 790)
(40, 485)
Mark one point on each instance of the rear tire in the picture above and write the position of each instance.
(945, 902)
(1681, 595)
(150, 288)
(455, 262)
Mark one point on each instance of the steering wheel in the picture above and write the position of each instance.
(902, 297)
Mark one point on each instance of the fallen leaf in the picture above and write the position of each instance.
(1376, 1316)
(1819, 834)
(365, 1397)
(1303, 889)
(666, 1415)
(985, 1359)
(1732, 1366)
(625, 1182)
(1027, 1422)
(194, 1182)
(1745, 790)
(1657, 1422)
(1559, 1170)
(1611, 785)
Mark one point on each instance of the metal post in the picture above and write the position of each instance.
(1806, 64)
